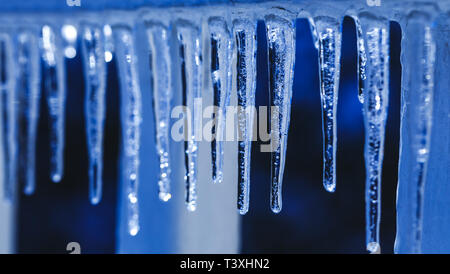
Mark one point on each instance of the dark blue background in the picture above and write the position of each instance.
(312, 220)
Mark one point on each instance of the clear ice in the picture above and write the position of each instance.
(281, 56)
(95, 82)
(31, 53)
(28, 95)
(376, 98)
(245, 35)
(420, 83)
(160, 63)
(55, 91)
(9, 118)
(131, 116)
(221, 71)
(191, 62)
(362, 60)
(328, 31)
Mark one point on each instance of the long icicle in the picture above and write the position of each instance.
(245, 35)
(55, 89)
(191, 61)
(418, 50)
(9, 117)
(131, 118)
(281, 56)
(95, 82)
(28, 91)
(329, 46)
(221, 54)
(158, 38)
(376, 99)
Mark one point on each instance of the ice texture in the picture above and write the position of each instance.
(131, 118)
(95, 82)
(158, 38)
(281, 56)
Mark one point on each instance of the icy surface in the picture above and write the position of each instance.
(95, 82)
(281, 54)
(158, 37)
(131, 108)
(191, 62)
(221, 53)
(245, 35)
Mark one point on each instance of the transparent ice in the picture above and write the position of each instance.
(55, 91)
(281, 54)
(376, 98)
(420, 83)
(158, 38)
(95, 82)
(191, 62)
(131, 108)
(9, 117)
(329, 45)
(28, 96)
(221, 54)
(245, 39)
(362, 60)
(29, 52)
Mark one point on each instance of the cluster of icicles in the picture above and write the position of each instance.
(23, 61)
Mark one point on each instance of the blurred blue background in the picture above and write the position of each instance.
(312, 220)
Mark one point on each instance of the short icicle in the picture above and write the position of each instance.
(376, 98)
(221, 54)
(281, 55)
(191, 62)
(95, 82)
(329, 45)
(245, 35)
(160, 62)
(9, 117)
(28, 93)
(131, 118)
(55, 91)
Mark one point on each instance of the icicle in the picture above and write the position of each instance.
(362, 59)
(158, 38)
(191, 61)
(28, 91)
(95, 82)
(418, 52)
(281, 55)
(329, 46)
(9, 118)
(54, 80)
(221, 54)
(376, 97)
(245, 35)
(131, 108)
